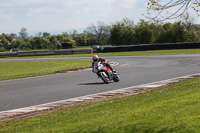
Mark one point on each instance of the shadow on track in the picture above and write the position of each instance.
(96, 83)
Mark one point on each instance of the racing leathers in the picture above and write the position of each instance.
(103, 61)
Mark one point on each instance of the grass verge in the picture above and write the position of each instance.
(14, 70)
(133, 53)
(23, 69)
(173, 108)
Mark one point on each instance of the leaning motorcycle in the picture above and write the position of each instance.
(105, 73)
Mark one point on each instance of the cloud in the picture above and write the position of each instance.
(8, 16)
(43, 11)
(47, 15)
(129, 4)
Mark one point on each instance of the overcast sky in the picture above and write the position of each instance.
(65, 15)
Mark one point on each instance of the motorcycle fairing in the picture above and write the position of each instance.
(106, 69)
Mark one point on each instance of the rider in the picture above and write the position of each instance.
(102, 60)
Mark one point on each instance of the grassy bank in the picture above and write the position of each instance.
(134, 53)
(173, 108)
(23, 69)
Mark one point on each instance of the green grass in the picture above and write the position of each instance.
(13, 70)
(23, 69)
(134, 53)
(174, 108)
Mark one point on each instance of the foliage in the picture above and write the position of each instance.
(36, 43)
(146, 33)
(81, 39)
(172, 9)
(120, 33)
(143, 33)
(172, 33)
(99, 32)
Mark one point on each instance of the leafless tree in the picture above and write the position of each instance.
(128, 21)
(172, 9)
(23, 33)
(190, 19)
(39, 34)
(100, 31)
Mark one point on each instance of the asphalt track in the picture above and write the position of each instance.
(133, 70)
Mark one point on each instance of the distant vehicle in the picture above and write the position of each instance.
(95, 46)
(14, 50)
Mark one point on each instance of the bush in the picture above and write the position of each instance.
(2, 49)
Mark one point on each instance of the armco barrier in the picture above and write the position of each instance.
(144, 47)
(141, 47)
(73, 51)
(35, 53)
(46, 52)
(8, 54)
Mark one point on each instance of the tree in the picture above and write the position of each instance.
(81, 39)
(23, 33)
(13, 35)
(66, 38)
(122, 34)
(37, 43)
(127, 21)
(45, 34)
(143, 33)
(172, 9)
(46, 41)
(91, 39)
(39, 34)
(23, 45)
(101, 31)
(5, 41)
(172, 33)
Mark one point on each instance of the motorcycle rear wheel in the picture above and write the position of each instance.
(116, 78)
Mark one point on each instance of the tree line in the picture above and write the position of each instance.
(124, 32)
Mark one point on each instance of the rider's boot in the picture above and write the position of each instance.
(114, 71)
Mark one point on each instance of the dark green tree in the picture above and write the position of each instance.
(122, 34)
(172, 33)
(37, 43)
(46, 34)
(143, 33)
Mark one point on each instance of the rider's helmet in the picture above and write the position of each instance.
(95, 57)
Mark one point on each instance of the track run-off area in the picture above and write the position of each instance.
(133, 70)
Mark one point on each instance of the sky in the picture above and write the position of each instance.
(56, 16)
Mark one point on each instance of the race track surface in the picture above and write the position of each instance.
(133, 70)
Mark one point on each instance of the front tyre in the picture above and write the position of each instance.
(104, 77)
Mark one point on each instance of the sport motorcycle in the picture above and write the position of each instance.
(105, 73)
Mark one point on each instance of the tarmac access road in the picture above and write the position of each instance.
(133, 70)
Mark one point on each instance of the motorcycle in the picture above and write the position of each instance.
(105, 73)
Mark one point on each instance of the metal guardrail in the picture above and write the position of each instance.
(46, 52)
(8, 54)
(159, 46)
(140, 47)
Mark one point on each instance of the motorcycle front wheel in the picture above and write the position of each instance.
(104, 77)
